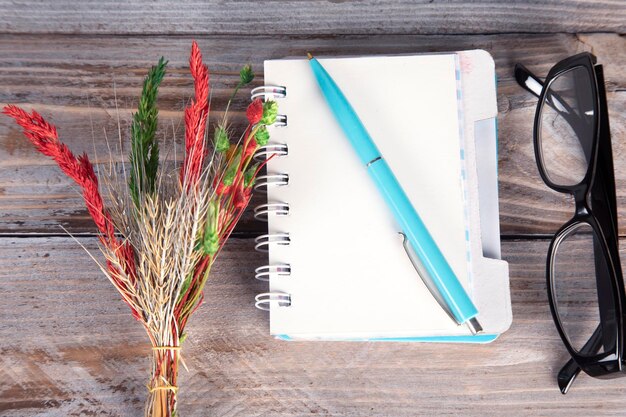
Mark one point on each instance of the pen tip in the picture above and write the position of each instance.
(474, 326)
(308, 54)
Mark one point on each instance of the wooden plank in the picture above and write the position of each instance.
(70, 347)
(77, 89)
(311, 17)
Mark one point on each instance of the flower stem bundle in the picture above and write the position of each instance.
(161, 230)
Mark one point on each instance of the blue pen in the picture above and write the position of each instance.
(430, 263)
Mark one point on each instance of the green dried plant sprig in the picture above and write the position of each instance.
(144, 151)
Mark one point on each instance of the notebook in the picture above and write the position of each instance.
(337, 268)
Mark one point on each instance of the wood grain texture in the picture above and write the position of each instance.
(77, 81)
(69, 347)
(319, 17)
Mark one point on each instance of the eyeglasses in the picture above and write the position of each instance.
(573, 152)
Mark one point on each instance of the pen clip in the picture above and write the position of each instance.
(419, 268)
(472, 324)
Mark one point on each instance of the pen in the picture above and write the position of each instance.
(433, 267)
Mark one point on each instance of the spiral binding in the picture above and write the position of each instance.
(262, 212)
(263, 273)
(270, 180)
(278, 149)
(263, 242)
(268, 92)
(281, 120)
(265, 300)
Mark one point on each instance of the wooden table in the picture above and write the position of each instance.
(69, 347)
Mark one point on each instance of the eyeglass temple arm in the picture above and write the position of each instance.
(527, 80)
(570, 371)
(531, 83)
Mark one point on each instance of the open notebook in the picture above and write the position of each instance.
(337, 268)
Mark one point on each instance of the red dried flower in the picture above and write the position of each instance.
(45, 138)
(222, 188)
(255, 111)
(195, 119)
(250, 148)
(242, 197)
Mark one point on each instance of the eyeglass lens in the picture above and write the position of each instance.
(566, 129)
(580, 275)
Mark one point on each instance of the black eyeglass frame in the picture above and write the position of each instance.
(597, 190)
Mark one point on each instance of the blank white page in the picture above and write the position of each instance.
(351, 277)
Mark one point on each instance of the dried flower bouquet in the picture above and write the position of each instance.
(160, 231)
